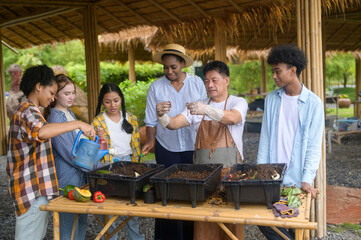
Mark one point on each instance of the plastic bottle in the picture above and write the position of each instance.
(103, 143)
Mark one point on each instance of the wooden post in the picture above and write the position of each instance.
(220, 43)
(309, 22)
(131, 59)
(3, 116)
(357, 105)
(91, 58)
(264, 74)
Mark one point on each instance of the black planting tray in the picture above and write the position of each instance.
(120, 185)
(186, 189)
(253, 191)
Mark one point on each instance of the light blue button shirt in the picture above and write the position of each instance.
(306, 152)
(161, 90)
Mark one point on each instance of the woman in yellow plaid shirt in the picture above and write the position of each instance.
(120, 130)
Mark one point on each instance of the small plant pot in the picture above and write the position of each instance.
(149, 196)
(344, 102)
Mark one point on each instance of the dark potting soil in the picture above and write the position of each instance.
(130, 170)
(192, 175)
(264, 172)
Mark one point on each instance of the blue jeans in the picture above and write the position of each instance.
(33, 223)
(270, 234)
(132, 229)
(66, 226)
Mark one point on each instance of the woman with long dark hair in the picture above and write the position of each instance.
(120, 129)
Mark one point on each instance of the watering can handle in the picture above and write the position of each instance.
(77, 141)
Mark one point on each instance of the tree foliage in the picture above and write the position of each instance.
(340, 68)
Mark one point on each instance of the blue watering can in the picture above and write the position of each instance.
(88, 152)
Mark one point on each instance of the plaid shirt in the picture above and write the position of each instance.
(30, 164)
(99, 122)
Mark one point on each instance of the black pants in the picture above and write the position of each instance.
(270, 234)
(172, 229)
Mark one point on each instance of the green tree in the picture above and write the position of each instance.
(340, 67)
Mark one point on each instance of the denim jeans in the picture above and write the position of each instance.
(132, 229)
(270, 234)
(66, 226)
(33, 223)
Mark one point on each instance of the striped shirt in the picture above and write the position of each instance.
(99, 122)
(30, 163)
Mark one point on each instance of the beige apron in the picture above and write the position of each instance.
(215, 144)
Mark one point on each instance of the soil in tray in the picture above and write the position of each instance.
(130, 170)
(191, 175)
(263, 171)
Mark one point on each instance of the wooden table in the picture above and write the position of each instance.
(251, 214)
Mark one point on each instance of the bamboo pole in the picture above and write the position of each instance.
(3, 144)
(309, 39)
(91, 58)
(220, 43)
(131, 59)
(357, 105)
(56, 226)
(264, 75)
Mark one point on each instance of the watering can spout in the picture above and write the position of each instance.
(102, 153)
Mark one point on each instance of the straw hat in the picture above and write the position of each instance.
(174, 49)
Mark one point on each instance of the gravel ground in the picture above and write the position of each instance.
(343, 169)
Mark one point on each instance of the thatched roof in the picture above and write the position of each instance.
(250, 24)
(114, 46)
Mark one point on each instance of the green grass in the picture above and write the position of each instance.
(342, 112)
(355, 228)
(350, 92)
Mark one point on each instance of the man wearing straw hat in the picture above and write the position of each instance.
(292, 126)
(15, 95)
(219, 122)
(172, 147)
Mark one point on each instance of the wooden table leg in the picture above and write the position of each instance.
(299, 234)
(280, 233)
(74, 226)
(106, 227)
(56, 231)
(229, 233)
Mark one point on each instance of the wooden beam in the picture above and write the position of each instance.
(32, 17)
(91, 58)
(19, 30)
(43, 31)
(357, 30)
(239, 9)
(46, 3)
(264, 74)
(165, 10)
(20, 36)
(131, 59)
(101, 26)
(3, 143)
(8, 45)
(198, 8)
(134, 12)
(57, 29)
(62, 18)
(112, 16)
(335, 33)
(220, 44)
(357, 105)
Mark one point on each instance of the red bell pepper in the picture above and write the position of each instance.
(70, 195)
(99, 197)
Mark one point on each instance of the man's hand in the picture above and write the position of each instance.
(163, 108)
(147, 147)
(308, 188)
(197, 108)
